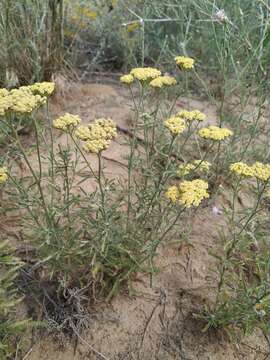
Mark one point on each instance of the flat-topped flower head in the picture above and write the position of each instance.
(98, 135)
(261, 171)
(241, 169)
(3, 174)
(145, 73)
(175, 125)
(127, 79)
(215, 133)
(43, 88)
(196, 165)
(23, 101)
(67, 122)
(194, 115)
(193, 192)
(184, 63)
(161, 81)
(188, 193)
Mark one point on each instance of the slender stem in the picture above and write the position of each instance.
(83, 155)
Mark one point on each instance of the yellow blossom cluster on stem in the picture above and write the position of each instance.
(188, 193)
(161, 81)
(184, 62)
(258, 170)
(67, 122)
(215, 133)
(97, 136)
(145, 73)
(43, 88)
(127, 79)
(175, 125)
(242, 169)
(3, 174)
(194, 115)
(25, 99)
(185, 169)
(261, 171)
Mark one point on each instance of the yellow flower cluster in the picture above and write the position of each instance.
(175, 125)
(261, 171)
(242, 169)
(66, 122)
(145, 73)
(192, 115)
(185, 63)
(83, 132)
(172, 194)
(3, 174)
(188, 193)
(202, 166)
(97, 136)
(258, 170)
(161, 81)
(127, 79)
(25, 99)
(43, 88)
(215, 133)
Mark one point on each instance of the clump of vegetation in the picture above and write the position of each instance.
(10, 328)
(92, 232)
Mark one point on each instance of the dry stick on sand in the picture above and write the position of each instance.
(96, 352)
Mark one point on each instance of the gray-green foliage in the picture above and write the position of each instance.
(30, 39)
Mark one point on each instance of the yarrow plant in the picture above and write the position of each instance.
(92, 230)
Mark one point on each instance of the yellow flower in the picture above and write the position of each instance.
(188, 193)
(202, 166)
(127, 79)
(5, 103)
(163, 81)
(261, 171)
(66, 122)
(109, 126)
(3, 174)
(83, 133)
(192, 115)
(114, 3)
(242, 169)
(172, 193)
(191, 193)
(23, 101)
(3, 92)
(145, 73)
(97, 135)
(215, 133)
(43, 88)
(175, 125)
(185, 63)
(95, 146)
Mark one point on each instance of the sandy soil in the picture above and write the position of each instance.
(153, 322)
